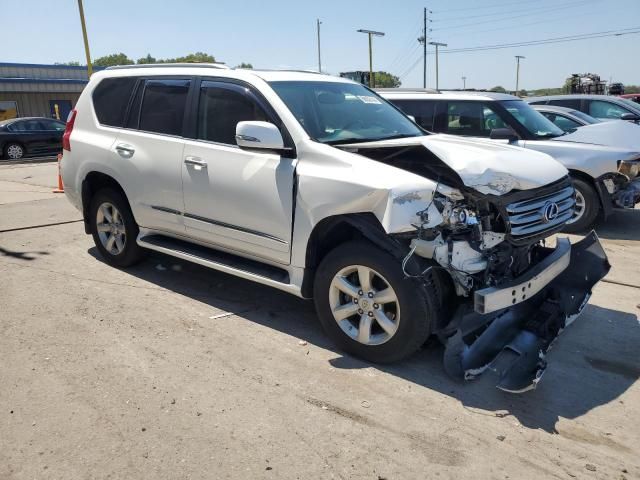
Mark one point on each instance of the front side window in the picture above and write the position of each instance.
(340, 112)
(220, 109)
(163, 106)
(472, 119)
(110, 100)
(601, 109)
(26, 126)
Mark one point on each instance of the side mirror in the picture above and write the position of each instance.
(259, 135)
(631, 117)
(503, 134)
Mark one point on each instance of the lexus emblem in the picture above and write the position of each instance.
(550, 211)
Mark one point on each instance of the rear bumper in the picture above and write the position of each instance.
(560, 286)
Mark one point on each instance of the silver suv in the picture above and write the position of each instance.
(605, 177)
(318, 187)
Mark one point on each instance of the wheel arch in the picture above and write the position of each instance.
(592, 182)
(92, 183)
(335, 230)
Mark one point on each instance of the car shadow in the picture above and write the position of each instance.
(622, 225)
(20, 255)
(593, 362)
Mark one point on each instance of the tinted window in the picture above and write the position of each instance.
(600, 109)
(52, 125)
(421, 110)
(26, 126)
(564, 123)
(472, 119)
(110, 100)
(566, 102)
(221, 108)
(163, 105)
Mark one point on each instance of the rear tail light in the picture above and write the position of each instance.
(66, 136)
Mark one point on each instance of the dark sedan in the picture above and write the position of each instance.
(21, 137)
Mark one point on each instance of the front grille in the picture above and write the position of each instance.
(526, 218)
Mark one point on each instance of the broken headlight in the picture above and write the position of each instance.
(630, 168)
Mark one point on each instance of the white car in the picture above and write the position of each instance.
(605, 177)
(317, 186)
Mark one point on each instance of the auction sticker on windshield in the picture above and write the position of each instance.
(369, 99)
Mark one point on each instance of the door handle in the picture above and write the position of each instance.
(125, 150)
(195, 161)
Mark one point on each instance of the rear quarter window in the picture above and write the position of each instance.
(110, 100)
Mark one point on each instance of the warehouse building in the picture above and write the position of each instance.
(34, 90)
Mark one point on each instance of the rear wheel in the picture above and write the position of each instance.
(14, 151)
(587, 207)
(367, 306)
(114, 229)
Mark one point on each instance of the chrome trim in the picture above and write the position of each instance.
(528, 217)
(196, 161)
(539, 202)
(234, 227)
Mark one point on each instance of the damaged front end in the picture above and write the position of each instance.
(515, 294)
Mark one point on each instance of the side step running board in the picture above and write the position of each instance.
(221, 261)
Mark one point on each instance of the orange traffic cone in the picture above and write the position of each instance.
(60, 188)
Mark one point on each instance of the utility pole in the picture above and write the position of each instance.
(518, 57)
(318, 22)
(423, 41)
(86, 40)
(437, 44)
(464, 82)
(371, 33)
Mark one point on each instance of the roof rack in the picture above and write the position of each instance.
(221, 66)
(407, 90)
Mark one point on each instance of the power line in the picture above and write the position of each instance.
(535, 10)
(494, 5)
(545, 41)
(402, 55)
(545, 11)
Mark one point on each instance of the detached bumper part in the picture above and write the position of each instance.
(629, 196)
(523, 332)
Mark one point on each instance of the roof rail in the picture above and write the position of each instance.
(221, 66)
(407, 90)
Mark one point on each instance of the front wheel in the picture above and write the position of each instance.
(586, 209)
(114, 229)
(367, 306)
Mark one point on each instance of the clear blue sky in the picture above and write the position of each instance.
(282, 34)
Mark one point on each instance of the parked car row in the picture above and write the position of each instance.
(319, 187)
(602, 159)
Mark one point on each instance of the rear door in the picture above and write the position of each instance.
(148, 152)
(234, 198)
(30, 133)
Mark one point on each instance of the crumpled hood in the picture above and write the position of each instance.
(617, 133)
(485, 165)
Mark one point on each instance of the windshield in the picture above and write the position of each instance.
(336, 112)
(536, 124)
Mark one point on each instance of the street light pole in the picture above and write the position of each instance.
(318, 22)
(437, 44)
(371, 33)
(518, 57)
(86, 40)
(464, 83)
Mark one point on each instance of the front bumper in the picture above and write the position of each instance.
(556, 291)
(628, 196)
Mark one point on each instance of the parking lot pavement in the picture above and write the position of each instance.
(170, 370)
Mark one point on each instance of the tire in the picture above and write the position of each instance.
(111, 218)
(411, 314)
(13, 151)
(587, 207)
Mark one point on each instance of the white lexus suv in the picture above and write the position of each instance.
(317, 186)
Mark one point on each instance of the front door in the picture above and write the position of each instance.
(233, 198)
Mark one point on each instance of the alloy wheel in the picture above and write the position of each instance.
(364, 305)
(579, 208)
(15, 152)
(111, 229)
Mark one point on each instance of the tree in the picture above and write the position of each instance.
(386, 80)
(198, 57)
(522, 93)
(113, 59)
(71, 64)
(248, 66)
(146, 60)
(498, 89)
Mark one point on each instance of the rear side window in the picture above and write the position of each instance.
(421, 110)
(163, 106)
(221, 108)
(110, 100)
(566, 102)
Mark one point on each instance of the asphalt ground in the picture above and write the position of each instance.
(170, 370)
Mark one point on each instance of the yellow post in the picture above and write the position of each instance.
(86, 40)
